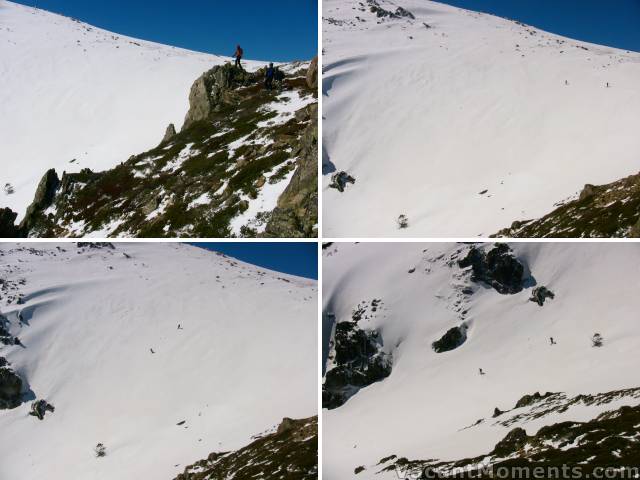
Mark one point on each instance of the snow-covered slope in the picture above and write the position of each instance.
(234, 354)
(420, 410)
(426, 113)
(75, 96)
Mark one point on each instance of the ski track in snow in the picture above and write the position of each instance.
(421, 410)
(473, 103)
(242, 360)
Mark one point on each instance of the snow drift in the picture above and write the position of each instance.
(164, 353)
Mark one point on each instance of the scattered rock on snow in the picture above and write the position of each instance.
(540, 294)
(39, 408)
(340, 179)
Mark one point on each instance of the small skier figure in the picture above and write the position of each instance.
(179, 327)
(552, 341)
(480, 371)
(152, 350)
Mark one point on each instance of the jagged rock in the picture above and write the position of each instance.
(10, 388)
(451, 340)
(498, 268)
(214, 89)
(8, 229)
(340, 179)
(96, 245)
(296, 214)
(540, 294)
(512, 442)
(286, 425)
(39, 409)
(169, 133)
(359, 361)
(312, 74)
(527, 400)
(290, 453)
(587, 192)
(44, 196)
(497, 412)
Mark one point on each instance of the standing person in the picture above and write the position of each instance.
(268, 77)
(238, 55)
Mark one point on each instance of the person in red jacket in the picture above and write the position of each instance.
(238, 55)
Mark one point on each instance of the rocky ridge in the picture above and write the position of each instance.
(243, 165)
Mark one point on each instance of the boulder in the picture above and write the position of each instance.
(452, 339)
(540, 294)
(39, 408)
(340, 179)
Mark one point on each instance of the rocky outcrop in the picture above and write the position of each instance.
(10, 386)
(528, 400)
(452, 339)
(359, 362)
(297, 212)
(8, 229)
(540, 294)
(44, 196)
(497, 268)
(169, 133)
(380, 12)
(515, 440)
(291, 453)
(312, 74)
(213, 89)
(600, 211)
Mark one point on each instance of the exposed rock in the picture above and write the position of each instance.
(44, 196)
(8, 229)
(451, 340)
(340, 179)
(587, 192)
(359, 361)
(513, 441)
(213, 89)
(169, 133)
(497, 412)
(289, 454)
(497, 268)
(39, 409)
(296, 214)
(10, 388)
(312, 74)
(527, 400)
(540, 294)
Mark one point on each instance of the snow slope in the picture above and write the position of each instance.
(243, 359)
(74, 91)
(426, 118)
(420, 410)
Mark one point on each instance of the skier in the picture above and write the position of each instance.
(607, 84)
(268, 77)
(179, 327)
(238, 55)
(566, 82)
(152, 350)
(480, 371)
(552, 341)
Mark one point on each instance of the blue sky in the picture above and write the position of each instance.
(607, 22)
(299, 258)
(279, 30)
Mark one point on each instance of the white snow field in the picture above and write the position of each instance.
(421, 409)
(243, 358)
(427, 118)
(75, 96)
